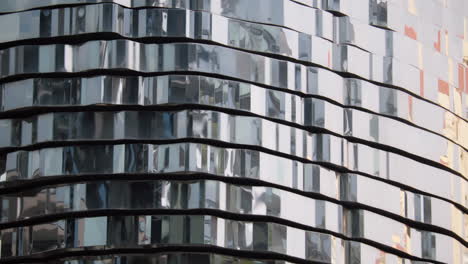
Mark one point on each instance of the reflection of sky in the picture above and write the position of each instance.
(95, 231)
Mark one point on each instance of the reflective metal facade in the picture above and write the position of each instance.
(233, 131)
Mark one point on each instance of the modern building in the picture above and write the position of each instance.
(233, 131)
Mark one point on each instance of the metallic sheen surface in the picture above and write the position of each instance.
(233, 131)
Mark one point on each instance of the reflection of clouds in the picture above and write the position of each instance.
(258, 37)
(229, 6)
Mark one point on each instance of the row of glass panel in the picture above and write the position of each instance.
(435, 40)
(143, 231)
(140, 23)
(126, 54)
(190, 158)
(30, 164)
(151, 22)
(423, 20)
(188, 257)
(219, 126)
(284, 13)
(433, 30)
(239, 199)
(316, 112)
(418, 52)
(279, 73)
(192, 89)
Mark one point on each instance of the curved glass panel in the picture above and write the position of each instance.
(397, 53)
(240, 199)
(192, 89)
(238, 163)
(207, 124)
(205, 230)
(172, 258)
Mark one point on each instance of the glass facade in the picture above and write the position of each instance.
(233, 131)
